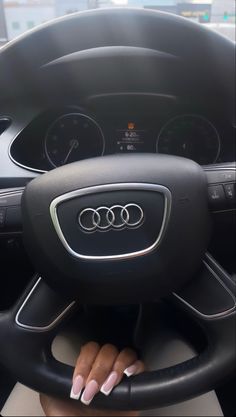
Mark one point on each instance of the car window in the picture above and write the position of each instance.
(18, 16)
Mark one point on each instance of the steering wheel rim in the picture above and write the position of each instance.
(149, 390)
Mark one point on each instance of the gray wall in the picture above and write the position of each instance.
(219, 7)
(63, 7)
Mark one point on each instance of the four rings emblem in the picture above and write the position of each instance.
(115, 217)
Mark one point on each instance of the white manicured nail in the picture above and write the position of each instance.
(90, 391)
(77, 387)
(109, 384)
(131, 370)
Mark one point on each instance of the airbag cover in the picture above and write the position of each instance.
(118, 229)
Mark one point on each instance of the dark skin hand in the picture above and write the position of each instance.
(98, 369)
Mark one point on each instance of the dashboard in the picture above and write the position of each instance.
(161, 124)
(121, 91)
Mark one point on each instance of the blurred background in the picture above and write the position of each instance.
(18, 16)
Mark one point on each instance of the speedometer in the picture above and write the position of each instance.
(190, 136)
(73, 137)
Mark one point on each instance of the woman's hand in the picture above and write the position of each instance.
(101, 369)
(98, 369)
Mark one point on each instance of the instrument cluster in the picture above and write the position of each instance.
(74, 135)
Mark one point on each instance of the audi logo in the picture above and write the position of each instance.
(115, 217)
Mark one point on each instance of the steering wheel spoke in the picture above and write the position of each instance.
(210, 295)
(43, 310)
(27, 332)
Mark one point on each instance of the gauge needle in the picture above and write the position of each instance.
(74, 144)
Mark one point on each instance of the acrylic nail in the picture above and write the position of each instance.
(131, 370)
(77, 387)
(90, 391)
(109, 384)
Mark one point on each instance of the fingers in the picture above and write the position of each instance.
(101, 369)
(99, 373)
(83, 367)
(92, 369)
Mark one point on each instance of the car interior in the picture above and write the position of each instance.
(117, 209)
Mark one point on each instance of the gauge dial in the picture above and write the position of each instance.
(190, 136)
(73, 137)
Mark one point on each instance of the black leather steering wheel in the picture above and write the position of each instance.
(95, 231)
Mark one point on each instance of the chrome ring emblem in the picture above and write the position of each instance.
(115, 217)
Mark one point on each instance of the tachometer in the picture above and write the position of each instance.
(191, 136)
(73, 137)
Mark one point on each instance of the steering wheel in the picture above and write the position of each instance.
(101, 234)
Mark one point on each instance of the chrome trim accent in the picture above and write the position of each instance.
(43, 328)
(40, 171)
(127, 222)
(112, 187)
(96, 218)
(214, 264)
(210, 316)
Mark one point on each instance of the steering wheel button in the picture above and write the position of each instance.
(230, 191)
(216, 196)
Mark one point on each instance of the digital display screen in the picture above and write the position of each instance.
(131, 139)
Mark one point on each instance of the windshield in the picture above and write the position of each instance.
(18, 16)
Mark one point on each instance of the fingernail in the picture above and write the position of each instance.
(89, 392)
(131, 370)
(77, 386)
(109, 384)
